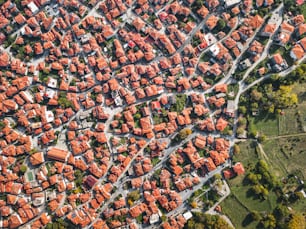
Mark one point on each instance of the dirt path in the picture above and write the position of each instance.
(287, 136)
(271, 163)
(263, 153)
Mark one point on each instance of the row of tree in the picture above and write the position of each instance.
(206, 221)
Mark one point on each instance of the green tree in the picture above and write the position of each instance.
(240, 130)
(236, 149)
(253, 178)
(254, 106)
(253, 133)
(262, 138)
(23, 169)
(134, 195)
(206, 221)
(269, 221)
(281, 212)
(255, 215)
(256, 95)
(180, 103)
(242, 109)
(2, 125)
(163, 218)
(242, 121)
(64, 102)
(137, 116)
(78, 177)
(73, 82)
(257, 189)
(221, 24)
(184, 133)
(264, 192)
(284, 97)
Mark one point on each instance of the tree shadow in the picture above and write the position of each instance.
(247, 220)
(264, 116)
(302, 96)
(250, 193)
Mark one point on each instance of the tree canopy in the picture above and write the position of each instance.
(297, 221)
(206, 221)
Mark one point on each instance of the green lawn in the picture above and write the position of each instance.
(277, 156)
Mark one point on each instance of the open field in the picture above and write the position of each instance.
(289, 123)
(237, 213)
(288, 155)
(267, 124)
(293, 120)
(285, 153)
(248, 155)
(242, 194)
(241, 200)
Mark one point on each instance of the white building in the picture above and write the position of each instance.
(50, 93)
(49, 116)
(154, 218)
(214, 49)
(187, 215)
(52, 83)
(210, 39)
(229, 3)
(32, 6)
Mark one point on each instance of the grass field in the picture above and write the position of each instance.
(287, 155)
(240, 200)
(252, 203)
(267, 124)
(291, 122)
(294, 120)
(248, 155)
(237, 213)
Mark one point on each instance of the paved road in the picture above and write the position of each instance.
(212, 211)
(276, 15)
(286, 136)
